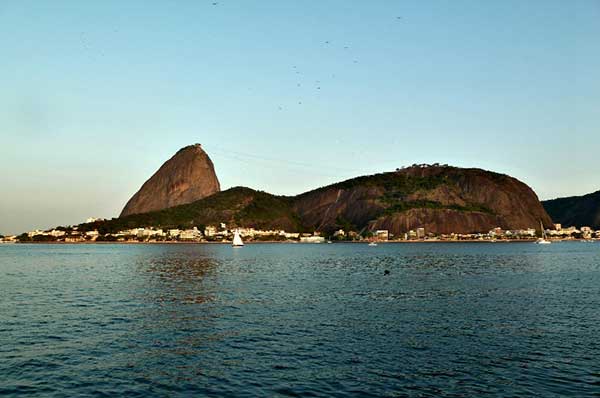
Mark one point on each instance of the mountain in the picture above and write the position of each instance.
(236, 206)
(188, 176)
(576, 211)
(441, 199)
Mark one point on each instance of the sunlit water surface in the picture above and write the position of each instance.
(300, 320)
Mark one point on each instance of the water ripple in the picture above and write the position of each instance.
(300, 320)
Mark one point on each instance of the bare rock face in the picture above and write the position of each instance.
(441, 199)
(188, 176)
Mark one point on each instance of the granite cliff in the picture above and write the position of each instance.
(442, 199)
(188, 176)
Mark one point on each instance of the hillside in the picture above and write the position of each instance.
(575, 210)
(236, 206)
(441, 199)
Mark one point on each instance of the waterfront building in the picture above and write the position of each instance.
(558, 227)
(338, 233)
(190, 234)
(382, 234)
(312, 239)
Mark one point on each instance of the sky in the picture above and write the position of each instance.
(287, 96)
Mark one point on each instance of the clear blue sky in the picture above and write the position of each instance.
(95, 96)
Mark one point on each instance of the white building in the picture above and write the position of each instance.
(210, 230)
(312, 239)
(190, 234)
(382, 234)
(587, 232)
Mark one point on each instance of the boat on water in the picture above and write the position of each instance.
(237, 239)
(373, 244)
(544, 239)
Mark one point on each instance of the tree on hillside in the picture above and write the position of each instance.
(24, 237)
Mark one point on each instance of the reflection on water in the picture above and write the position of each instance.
(446, 319)
(181, 277)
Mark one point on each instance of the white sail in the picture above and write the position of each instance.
(544, 239)
(543, 230)
(237, 239)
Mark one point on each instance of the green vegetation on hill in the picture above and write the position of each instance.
(363, 200)
(239, 205)
(575, 210)
(430, 204)
(396, 185)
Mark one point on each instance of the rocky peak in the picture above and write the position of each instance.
(188, 176)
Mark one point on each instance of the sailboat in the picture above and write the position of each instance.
(544, 239)
(237, 240)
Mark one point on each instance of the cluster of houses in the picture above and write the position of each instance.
(572, 232)
(149, 234)
(221, 233)
(496, 234)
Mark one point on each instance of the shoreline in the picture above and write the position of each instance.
(300, 243)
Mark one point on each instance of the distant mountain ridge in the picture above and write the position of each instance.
(441, 199)
(575, 210)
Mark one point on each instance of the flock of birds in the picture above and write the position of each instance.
(317, 83)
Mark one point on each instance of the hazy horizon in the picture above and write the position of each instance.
(287, 97)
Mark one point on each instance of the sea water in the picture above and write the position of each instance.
(449, 319)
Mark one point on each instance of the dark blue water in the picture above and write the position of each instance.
(300, 320)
